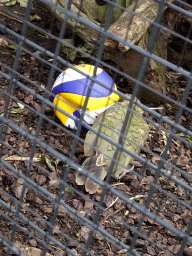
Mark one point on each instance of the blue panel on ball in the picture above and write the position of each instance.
(80, 86)
(77, 114)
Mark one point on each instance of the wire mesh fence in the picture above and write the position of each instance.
(95, 127)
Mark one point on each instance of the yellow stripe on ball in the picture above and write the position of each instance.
(65, 106)
(93, 103)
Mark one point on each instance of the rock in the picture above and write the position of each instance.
(41, 179)
(174, 248)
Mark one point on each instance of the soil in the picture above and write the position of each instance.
(170, 201)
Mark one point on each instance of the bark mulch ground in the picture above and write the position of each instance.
(171, 206)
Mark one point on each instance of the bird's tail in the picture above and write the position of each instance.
(98, 171)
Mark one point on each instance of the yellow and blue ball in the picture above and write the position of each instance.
(70, 89)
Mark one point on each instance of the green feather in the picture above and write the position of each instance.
(110, 123)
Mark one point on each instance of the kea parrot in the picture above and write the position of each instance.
(110, 123)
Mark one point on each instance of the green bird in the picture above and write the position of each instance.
(110, 123)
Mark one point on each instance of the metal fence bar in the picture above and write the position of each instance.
(22, 216)
(131, 203)
(154, 185)
(140, 77)
(100, 30)
(153, 166)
